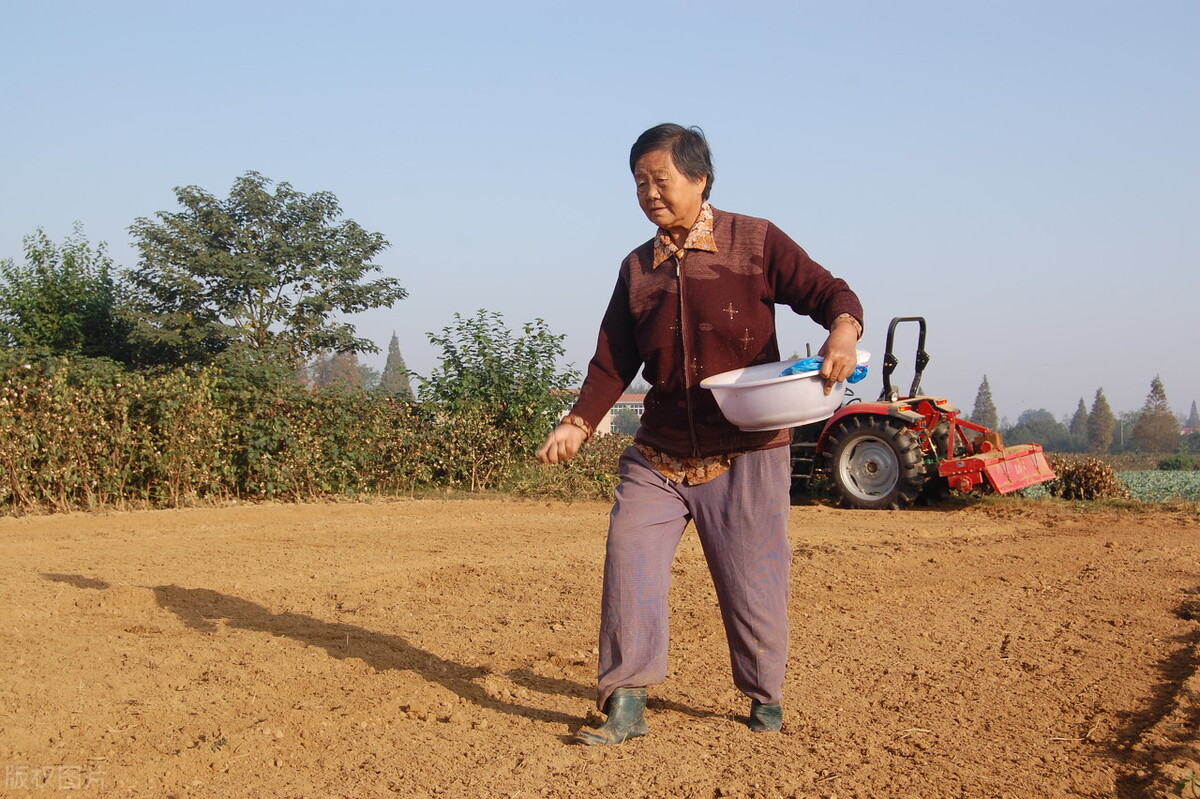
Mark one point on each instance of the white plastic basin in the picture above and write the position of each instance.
(757, 398)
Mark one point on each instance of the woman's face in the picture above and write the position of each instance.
(665, 194)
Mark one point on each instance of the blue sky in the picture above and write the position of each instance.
(1026, 175)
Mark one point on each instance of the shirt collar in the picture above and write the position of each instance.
(700, 237)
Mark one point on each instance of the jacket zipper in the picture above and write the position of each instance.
(687, 376)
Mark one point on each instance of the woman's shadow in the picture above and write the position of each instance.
(202, 608)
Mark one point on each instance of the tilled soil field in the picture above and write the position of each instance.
(446, 648)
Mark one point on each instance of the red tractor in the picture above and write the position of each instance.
(883, 454)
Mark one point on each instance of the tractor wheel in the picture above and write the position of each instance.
(875, 463)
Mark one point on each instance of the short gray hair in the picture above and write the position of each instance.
(687, 146)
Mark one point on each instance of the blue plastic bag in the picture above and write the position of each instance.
(813, 364)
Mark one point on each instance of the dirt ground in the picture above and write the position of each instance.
(446, 648)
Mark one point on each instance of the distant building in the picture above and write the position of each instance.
(626, 402)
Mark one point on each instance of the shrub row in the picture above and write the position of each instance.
(81, 434)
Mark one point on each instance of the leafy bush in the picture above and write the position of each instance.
(62, 300)
(493, 377)
(1179, 463)
(1082, 477)
(66, 444)
(492, 398)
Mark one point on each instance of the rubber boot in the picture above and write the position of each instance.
(625, 708)
(765, 718)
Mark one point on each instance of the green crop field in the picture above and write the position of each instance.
(1157, 486)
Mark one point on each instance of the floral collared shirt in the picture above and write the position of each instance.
(693, 471)
(700, 237)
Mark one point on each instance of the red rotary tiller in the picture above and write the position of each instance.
(883, 454)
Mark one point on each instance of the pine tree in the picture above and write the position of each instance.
(1078, 427)
(394, 380)
(985, 408)
(1100, 424)
(1193, 420)
(1157, 429)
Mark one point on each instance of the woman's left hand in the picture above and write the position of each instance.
(840, 354)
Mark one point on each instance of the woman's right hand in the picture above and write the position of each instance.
(562, 444)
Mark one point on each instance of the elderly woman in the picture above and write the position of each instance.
(696, 300)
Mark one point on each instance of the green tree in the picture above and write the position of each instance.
(1100, 424)
(1078, 428)
(985, 408)
(626, 421)
(1157, 429)
(1040, 427)
(368, 377)
(394, 380)
(1193, 420)
(262, 272)
(62, 300)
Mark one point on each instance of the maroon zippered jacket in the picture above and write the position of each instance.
(712, 312)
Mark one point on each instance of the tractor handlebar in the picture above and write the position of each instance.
(890, 362)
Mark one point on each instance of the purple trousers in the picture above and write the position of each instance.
(741, 518)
